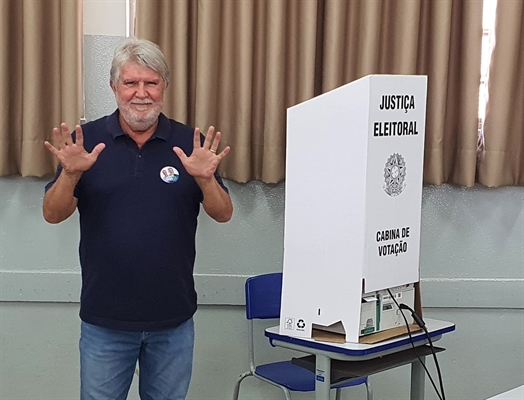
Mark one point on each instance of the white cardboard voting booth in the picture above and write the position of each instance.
(353, 200)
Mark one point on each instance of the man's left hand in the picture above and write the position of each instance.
(204, 160)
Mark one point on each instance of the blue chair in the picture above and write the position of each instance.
(263, 294)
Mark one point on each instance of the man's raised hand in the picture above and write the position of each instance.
(72, 156)
(204, 160)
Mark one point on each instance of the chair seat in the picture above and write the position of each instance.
(295, 378)
(263, 293)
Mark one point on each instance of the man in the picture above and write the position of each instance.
(137, 230)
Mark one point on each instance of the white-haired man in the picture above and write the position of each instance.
(137, 230)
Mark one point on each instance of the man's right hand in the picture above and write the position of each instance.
(72, 156)
(59, 201)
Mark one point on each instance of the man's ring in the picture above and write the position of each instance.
(212, 151)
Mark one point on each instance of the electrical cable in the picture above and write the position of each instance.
(420, 322)
(415, 350)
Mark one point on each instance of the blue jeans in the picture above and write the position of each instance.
(108, 360)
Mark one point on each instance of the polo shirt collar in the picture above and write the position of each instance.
(162, 130)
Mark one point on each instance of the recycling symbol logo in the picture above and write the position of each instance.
(301, 324)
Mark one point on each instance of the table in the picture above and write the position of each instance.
(354, 353)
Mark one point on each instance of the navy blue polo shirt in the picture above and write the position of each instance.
(137, 228)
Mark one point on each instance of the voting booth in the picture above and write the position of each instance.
(353, 201)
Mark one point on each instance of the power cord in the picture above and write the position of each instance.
(420, 322)
(422, 325)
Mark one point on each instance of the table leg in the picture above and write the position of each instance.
(418, 379)
(322, 377)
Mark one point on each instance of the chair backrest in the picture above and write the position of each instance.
(263, 294)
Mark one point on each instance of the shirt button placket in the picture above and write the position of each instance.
(139, 164)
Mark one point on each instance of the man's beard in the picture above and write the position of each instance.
(136, 122)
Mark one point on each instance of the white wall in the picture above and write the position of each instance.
(105, 17)
(472, 268)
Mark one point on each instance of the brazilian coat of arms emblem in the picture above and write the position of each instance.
(394, 175)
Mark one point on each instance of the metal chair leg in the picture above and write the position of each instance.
(237, 386)
(337, 394)
(287, 393)
(369, 390)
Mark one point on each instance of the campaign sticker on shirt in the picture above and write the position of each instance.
(169, 174)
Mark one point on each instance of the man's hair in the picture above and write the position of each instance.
(144, 53)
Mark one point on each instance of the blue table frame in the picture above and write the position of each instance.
(325, 352)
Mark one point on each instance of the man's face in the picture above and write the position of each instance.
(139, 94)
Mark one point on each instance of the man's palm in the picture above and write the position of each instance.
(72, 156)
